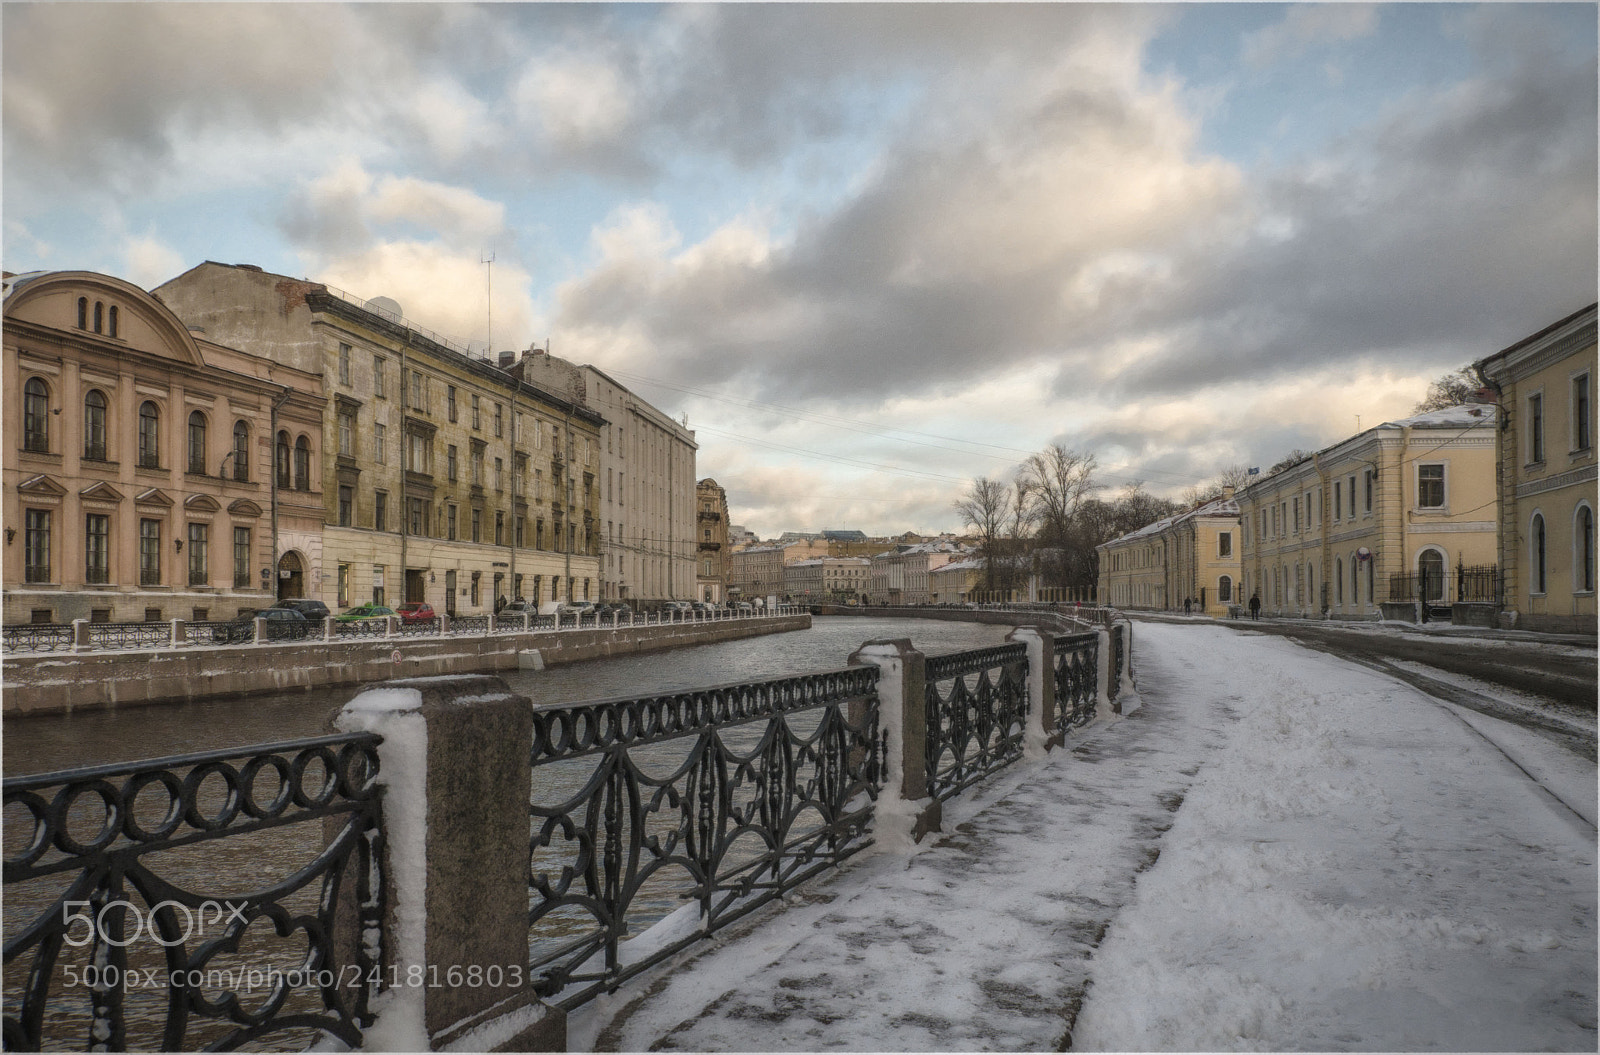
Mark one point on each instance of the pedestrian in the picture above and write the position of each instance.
(1186, 605)
(1255, 606)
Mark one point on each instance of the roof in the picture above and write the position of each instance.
(1217, 507)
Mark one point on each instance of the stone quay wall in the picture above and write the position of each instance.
(59, 683)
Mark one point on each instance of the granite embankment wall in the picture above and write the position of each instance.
(61, 682)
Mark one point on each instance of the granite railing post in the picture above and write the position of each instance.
(1040, 734)
(180, 633)
(330, 629)
(444, 623)
(80, 635)
(261, 631)
(391, 625)
(456, 775)
(905, 810)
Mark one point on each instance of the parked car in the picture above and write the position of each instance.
(313, 610)
(743, 606)
(363, 612)
(519, 607)
(416, 612)
(619, 611)
(283, 624)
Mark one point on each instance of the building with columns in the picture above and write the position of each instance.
(711, 544)
(139, 480)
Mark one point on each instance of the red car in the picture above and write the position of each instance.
(415, 612)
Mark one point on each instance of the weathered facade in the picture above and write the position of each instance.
(139, 480)
(1192, 557)
(711, 544)
(444, 478)
(900, 576)
(1545, 471)
(836, 579)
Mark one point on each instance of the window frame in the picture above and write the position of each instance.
(38, 525)
(36, 415)
(150, 551)
(1538, 555)
(199, 532)
(1535, 429)
(1443, 481)
(1581, 419)
(199, 429)
(97, 548)
(1583, 550)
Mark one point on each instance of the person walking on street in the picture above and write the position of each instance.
(1255, 606)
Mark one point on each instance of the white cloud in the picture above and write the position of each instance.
(577, 101)
(147, 262)
(1306, 25)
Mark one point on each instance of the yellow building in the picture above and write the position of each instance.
(1391, 516)
(711, 516)
(956, 582)
(138, 459)
(1546, 538)
(445, 478)
(1191, 557)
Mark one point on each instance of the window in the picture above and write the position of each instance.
(197, 443)
(1368, 484)
(498, 422)
(1536, 429)
(36, 416)
(450, 523)
(379, 389)
(477, 527)
(36, 546)
(83, 313)
(1536, 555)
(450, 402)
(1297, 514)
(199, 535)
(418, 453)
(241, 452)
(99, 316)
(1352, 493)
(418, 392)
(302, 464)
(1583, 546)
(499, 475)
(1430, 486)
(379, 451)
(477, 415)
(347, 501)
(149, 553)
(477, 467)
(1224, 585)
(347, 434)
(380, 511)
(499, 528)
(417, 516)
(450, 463)
(1582, 429)
(343, 600)
(1338, 505)
(344, 364)
(1355, 583)
(281, 460)
(241, 558)
(1338, 581)
(97, 548)
(113, 327)
(1224, 544)
(518, 529)
(476, 593)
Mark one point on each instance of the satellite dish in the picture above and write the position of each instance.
(388, 307)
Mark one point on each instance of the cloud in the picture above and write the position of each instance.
(1305, 26)
(575, 101)
(147, 262)
(338, 211)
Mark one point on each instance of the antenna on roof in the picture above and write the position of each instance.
(489, 294)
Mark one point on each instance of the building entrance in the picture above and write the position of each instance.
(291, 577)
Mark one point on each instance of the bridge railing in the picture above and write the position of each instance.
(1075, 671)
(977, 706)
(122, 935)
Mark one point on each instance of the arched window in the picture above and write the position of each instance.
(1583, 548)
(1338, 581)
(1372, 593)
(99, 316)
(197, 442)
(241, 451)
(1224, 588)
(1430, 576)
(35, 415)
(94, 426)
(113, 320)
(149, 436)
(302, 464)
(83, 313)
(1355, 581)
(281, 456)
(1536, 554)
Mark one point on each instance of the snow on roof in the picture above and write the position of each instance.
(1463, 415)
(1217, 507)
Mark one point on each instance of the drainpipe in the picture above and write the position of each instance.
(272, 445)
(405, 453)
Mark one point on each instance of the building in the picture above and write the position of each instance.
(755, 572)
(1545, 463)
(838, 580)
(1193, 557)
(444, 477)
(648, 507)
(139, 480)
(1391, 515)
(900, 576)
(711, 517)
(955, 582)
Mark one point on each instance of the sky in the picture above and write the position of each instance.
(871, 252)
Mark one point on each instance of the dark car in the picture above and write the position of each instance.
(520, 607)
(311, 609)
(283, 624)
(416, 612)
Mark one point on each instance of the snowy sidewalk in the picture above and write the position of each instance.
(1349, 865)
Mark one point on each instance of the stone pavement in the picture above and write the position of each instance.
(979, 939)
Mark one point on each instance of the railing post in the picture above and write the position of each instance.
(80, 635)
(180, 633)
(905, 811)
(444, 623)
(456, 771)
(329, 628)
(261, 630)
(1039, 735)
(391, 625)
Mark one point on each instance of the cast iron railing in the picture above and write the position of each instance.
(1076, 670)
(362, 628)
(419, 627)
(1480, 583)
(725, 796)
(141, 913)
(1119, 656)
(108, 636)
(977, 705)
(469, 624)
(39, 637)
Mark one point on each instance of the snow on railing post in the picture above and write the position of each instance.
(454, 764)
(260, 636)
(905, 810)
(1039, 734)
(180, 634)
(80, 635)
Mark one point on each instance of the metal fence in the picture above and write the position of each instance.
(1480, 583)
(977, 706)
(1077, 665)
(724, 797)
(119, 943)
(107, 636)
(38, 637)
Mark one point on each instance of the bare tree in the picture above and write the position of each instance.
(1059, 481)
(1236, 476)
(986, 508)
(1294, 457)
(1449, 390)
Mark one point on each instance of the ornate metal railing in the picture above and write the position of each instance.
(727, 796)
(220, 632)
(290, 630)
(419, 627)
(1119, 656)
(140, 914)
(1076, 670)
(362, 628)
(469, 624)
(129, 635)
(38, 637)
(977, 705)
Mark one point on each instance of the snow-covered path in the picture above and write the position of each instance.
(1349, 865)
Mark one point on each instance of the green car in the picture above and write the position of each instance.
(362, 612)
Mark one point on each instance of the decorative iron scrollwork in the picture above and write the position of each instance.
(1077, 662)
(977, 706)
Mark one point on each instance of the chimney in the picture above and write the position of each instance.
(506, 359)
(1227, 492)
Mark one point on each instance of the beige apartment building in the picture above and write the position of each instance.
(1546, 472)
(1387, 516)
(1191, 557)
(957, 581)
(711, 546)
(647, 495)
(827, 579)
(901, 576)
(139, 479)
(445, 477)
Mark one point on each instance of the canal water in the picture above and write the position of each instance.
(236, 865)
